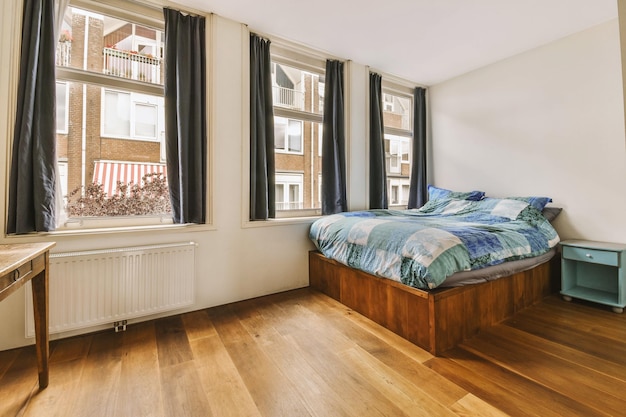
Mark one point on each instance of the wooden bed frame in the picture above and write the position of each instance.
(438, 319)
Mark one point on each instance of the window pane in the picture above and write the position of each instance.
(289, 191)
(293, 88)
(111, 161)
(61, 107)
(145, 121)
(394, 194)
(280, 193)
(116, 47)
(294, 193)
(116, 113)
(295, 136)
(405, 194)
(397, 111)
(298, 108)
(405, 150)
(280, 132)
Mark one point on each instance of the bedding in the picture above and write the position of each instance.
(437, 193)
(421, 247)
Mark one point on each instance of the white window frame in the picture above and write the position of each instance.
(133, 121)
(134, 100)
(399, 183)
(398, 138)
(287, 180)
(67, 108)
(62, 173)
(286, 147)
(388, 105)
(315, 65)
(138, 14)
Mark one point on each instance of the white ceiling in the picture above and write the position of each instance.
(424, 41)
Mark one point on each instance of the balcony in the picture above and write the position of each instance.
(64, 53)
(288, 98)
(132, 65)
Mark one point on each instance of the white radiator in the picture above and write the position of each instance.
(98, 287)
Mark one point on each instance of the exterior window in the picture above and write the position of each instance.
(399, 191)
(288, 135)
(289, 193)
(110, 74)
(131, 115)
(116, 114)
(298, 110)
(388, 103)
(62, 167)
(145, 121)
(61, 107)
(397, 118)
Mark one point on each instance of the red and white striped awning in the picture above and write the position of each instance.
(108, 173)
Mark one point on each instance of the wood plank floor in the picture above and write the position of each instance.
(301, 353)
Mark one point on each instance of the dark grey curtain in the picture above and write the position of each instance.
(378, 175)
(418, 192)
(185, 115)
(262, 168)
(333, 142)
(32, 178)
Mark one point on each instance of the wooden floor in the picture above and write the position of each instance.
(301, 353)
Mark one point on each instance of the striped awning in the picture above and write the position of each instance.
(108, 173)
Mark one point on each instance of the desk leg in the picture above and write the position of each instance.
(40, 305)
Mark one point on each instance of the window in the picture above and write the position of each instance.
(110, 118)
(388, 103)
(131, 115)
(289, 189)
(62, 107)
(399, 191)
(398, 123)
(297, 91)
(288, 135)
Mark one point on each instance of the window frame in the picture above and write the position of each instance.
(287, 137)
(289, 179)
(66, 114)
(314, 64)
(132, 107)
(137, 14)
(398, 136)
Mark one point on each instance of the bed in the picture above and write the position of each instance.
(439, 274)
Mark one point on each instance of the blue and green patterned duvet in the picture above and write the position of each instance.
(422, 247)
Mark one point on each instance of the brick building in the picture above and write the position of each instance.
(107, 134)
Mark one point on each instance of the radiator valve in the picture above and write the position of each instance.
(120, 326)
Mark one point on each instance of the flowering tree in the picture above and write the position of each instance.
(151, 197)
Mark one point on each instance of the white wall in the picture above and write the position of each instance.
(553, 115)
(546, 122)
(234, 260)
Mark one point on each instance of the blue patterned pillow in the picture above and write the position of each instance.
(436, 193)
(537, 202)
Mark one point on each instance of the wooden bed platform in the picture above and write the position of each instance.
(435, 320)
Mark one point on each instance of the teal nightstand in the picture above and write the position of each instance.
(594, 271)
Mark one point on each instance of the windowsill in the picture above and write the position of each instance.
(285, 221)
(150, 228)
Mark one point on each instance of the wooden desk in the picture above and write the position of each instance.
(20, 263)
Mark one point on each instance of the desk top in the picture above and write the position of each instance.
(15, 254)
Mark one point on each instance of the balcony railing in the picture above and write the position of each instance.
(288, 98)
(64, 53)
(131, 65)
(295, 205)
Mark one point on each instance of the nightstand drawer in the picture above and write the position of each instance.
(591, 255)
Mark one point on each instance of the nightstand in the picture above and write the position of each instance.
(594, 271)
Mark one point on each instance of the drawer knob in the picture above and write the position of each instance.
(588, 255)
